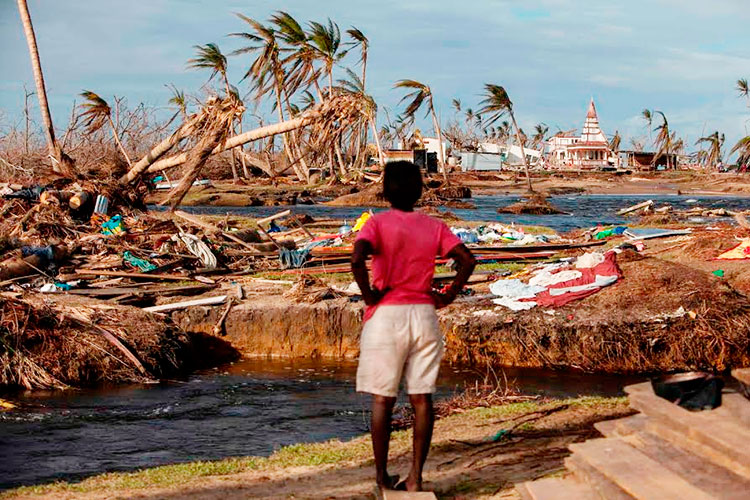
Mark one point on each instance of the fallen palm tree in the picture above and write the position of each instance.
(327, 120)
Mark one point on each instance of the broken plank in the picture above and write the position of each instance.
(639, 206)
(273, 217)
(114, 291)
(207, 301)
(125, 274)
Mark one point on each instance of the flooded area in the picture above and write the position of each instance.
(251, 407)
(582, 210)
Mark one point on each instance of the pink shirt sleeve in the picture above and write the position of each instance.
(369, 232)
(447, 241)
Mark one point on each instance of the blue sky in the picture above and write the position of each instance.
(682, 57)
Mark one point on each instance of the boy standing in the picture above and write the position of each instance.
(401, 336)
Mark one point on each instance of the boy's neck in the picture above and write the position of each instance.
(402, 209)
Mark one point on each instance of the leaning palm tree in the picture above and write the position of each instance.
(715, 142)
(63, 163)
(356, 87)
(210, 57)
(496, 104)
(614, 144)
(178, 99)
(418, 95)
(359, 39)
(664, 138)
(96, 113)
(268, 73)
(540, 134)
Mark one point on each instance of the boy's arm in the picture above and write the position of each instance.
(362, 250)
(465, 262)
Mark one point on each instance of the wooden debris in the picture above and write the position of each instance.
(634, 208)
(208, 301)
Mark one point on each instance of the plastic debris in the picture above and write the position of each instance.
(134, 261)
(114, 226)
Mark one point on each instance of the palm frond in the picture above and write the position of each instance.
(742, 87)
(96, 113)
(209, 56)
(495, 103)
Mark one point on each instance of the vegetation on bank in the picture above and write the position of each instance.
(329, 453)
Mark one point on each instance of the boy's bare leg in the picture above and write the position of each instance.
(382, 410)
(424, 418)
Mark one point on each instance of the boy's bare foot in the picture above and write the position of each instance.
(409, 484)
(388, 482)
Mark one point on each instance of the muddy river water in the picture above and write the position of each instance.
(583, 210)
(251, 407)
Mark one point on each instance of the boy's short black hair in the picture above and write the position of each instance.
(402, 184)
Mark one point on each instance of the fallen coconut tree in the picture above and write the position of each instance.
(328, 120)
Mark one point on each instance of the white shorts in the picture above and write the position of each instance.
(400, 340)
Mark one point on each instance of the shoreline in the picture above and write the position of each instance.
(464, 458)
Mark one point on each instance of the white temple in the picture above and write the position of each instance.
(589, 151)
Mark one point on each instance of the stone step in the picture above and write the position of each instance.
(598, 482)
(631, 472)
(555, 488)
(716, 435)
(713, 479)
(405, 495)
(621, 426)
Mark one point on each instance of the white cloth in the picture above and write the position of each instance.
(511, 291)
(589, 260)
(515, 289)
(196, 247)
(546, 279)
(599, 282)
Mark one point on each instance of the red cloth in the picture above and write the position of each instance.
(405, 245)
(607, 268)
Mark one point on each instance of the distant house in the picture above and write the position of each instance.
(491, 156)
(589, 151)
(646, 160)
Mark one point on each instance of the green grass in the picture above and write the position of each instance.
(334, 451)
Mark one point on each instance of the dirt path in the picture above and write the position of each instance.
(470, 458)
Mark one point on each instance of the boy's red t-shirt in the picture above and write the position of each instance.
(405, 245)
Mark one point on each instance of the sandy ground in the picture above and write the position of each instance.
(464, 463)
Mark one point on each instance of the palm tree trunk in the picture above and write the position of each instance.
(284, 138)
(160, 150)
(440, 142)
(523, 153)
(295, 143)
(233, 142)
(64, 164)
(381, 157)
(117, 141)
(241, 150)
(197, 158)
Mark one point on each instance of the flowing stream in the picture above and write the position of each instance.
(251, 407)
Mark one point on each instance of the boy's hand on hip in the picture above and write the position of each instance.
(443, 299)
(375, 296)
